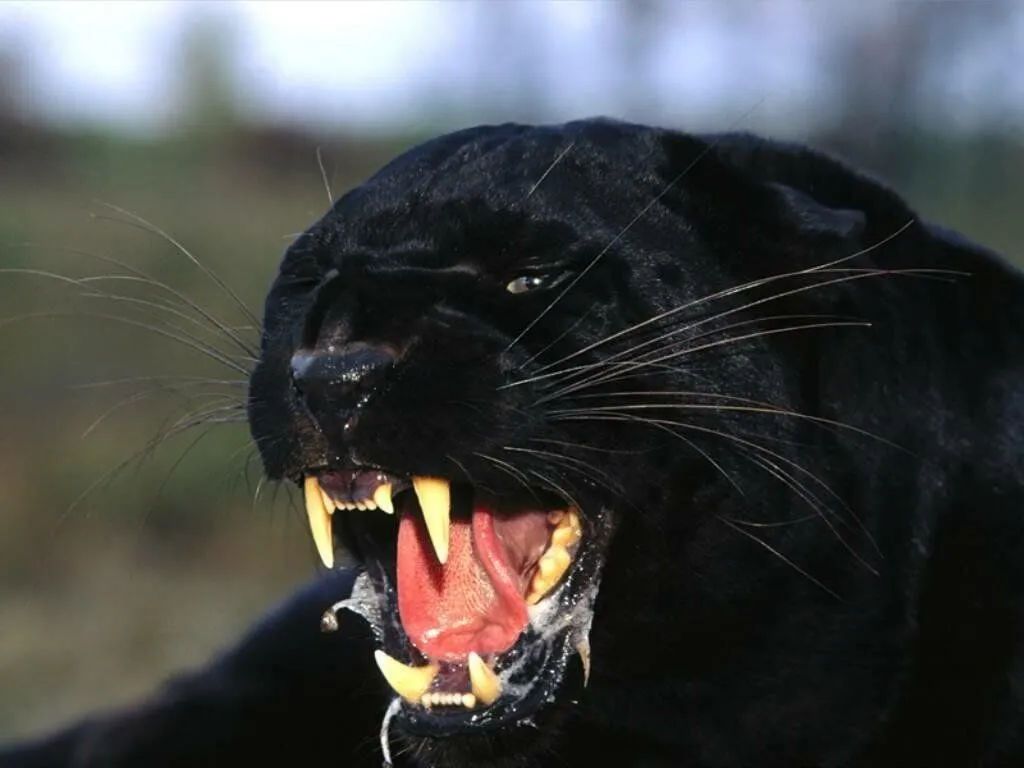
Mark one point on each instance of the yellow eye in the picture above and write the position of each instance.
(524, 283)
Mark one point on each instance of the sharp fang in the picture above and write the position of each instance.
(329, 503)
(382, 498)
(435, 498)
(319, 521)
(411, 683)
(583, 649)
(485, 684)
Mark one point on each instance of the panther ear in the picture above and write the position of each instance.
(814, 219)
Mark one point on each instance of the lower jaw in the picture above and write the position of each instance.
(549, 660)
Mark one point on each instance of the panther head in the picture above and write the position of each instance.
(525, 377)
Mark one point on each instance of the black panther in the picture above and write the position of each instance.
(626, 446)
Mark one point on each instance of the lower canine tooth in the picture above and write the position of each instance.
(485, 684)
(319, 521)
(411, 683)
(583, 649)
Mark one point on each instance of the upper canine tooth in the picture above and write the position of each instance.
(319, 521)
(329, 503)
(411, 683)
(435, 497)
(382, 498)
(485, 684)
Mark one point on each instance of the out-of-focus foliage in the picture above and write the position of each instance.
(102, 595)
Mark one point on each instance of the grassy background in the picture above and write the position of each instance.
(102, 596)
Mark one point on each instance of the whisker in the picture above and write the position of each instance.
(608, 416)
(552, 484)
(147, 226)
(821, 268)
(180, 381)
(128, 400)
(323, 175)
(147, 279)
(507, 468)
(674, 351)
(781, 557)
(600, 254)
(228, 362)
(550, 168)
(556, 340)
(754, 407)
(822, 509)
(585, 468)
(584, 446)
(88, 292)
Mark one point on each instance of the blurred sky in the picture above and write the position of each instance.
(384, 62)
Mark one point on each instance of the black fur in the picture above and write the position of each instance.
(818, 503)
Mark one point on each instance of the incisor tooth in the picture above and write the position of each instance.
(485, 684)
(411, 683)
(435, 497)
(319, 521)
(382, 498)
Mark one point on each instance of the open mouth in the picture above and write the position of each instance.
(485, 597)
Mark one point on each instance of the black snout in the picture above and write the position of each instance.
(334, 382)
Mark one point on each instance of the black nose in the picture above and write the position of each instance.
(335, 381)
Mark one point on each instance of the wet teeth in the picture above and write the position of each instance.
(382, 498)
(411, 683)
(554, 563)
(329, 503)
(442, 699)
(568, 530)
(319, 521)
(583, 649)
(551, 567)
(485, 684)
(435, 498)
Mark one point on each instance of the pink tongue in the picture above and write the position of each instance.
(474, 602)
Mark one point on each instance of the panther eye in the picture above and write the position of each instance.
(525, 283)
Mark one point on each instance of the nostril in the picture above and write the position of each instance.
(336, 376)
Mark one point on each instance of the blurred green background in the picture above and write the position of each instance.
(112, 575)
